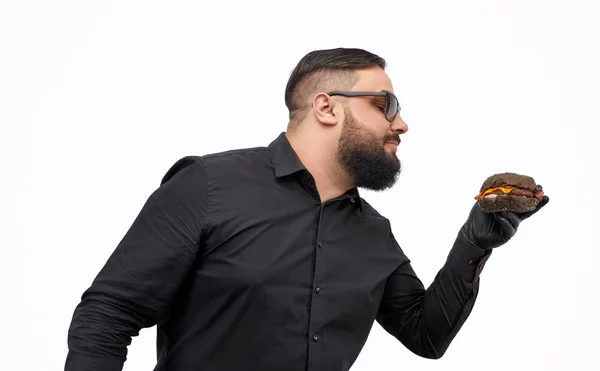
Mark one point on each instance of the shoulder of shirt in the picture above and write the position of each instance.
(215, 157)
(200, 161)
(371, 212)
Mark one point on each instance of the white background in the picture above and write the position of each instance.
(99, 98)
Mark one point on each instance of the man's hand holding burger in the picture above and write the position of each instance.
(504, 201)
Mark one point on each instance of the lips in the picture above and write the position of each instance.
(393, 139)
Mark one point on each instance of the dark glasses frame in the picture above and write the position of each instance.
(390, 98)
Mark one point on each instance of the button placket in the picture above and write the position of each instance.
(315, 324)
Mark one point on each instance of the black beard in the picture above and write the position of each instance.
(364, 157)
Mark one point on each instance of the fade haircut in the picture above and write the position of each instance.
(324, 71)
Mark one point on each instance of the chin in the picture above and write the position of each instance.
(393, 155)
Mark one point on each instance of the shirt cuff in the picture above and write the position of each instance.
(467, 259)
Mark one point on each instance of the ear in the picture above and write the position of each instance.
(326, 109)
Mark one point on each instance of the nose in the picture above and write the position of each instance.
(398, 125)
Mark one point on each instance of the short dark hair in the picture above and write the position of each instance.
(324, 70)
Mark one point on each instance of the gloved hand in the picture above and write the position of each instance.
(490, 230)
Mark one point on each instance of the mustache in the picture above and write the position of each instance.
(393, 137)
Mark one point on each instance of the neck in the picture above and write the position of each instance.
(318, 154)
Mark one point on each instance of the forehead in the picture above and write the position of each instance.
(373, 79)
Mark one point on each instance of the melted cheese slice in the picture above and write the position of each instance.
(504, 188)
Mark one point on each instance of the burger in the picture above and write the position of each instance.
(509, 192)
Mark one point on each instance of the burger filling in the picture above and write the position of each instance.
(513, 191)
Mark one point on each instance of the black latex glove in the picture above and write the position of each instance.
(490, 230)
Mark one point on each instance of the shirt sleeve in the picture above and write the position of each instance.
(138, 282)
(426, 321)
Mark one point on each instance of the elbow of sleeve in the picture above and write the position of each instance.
(90, 346)
(418, 341)
(100, 330)
(77, 361)
(426, 352)
(429, 352)
(432, 355)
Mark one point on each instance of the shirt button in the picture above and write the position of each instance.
(315, 338)
(471, 261)
(320, 244)
(318, 289)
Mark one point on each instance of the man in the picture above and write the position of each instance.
(268, 258)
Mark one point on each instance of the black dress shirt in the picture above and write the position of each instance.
(242, 267)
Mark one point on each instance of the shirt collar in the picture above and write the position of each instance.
(284, 158)
(286, 162)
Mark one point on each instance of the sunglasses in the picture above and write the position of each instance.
(391, 109)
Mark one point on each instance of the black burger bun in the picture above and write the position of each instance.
(513, 179)
(517, 204)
